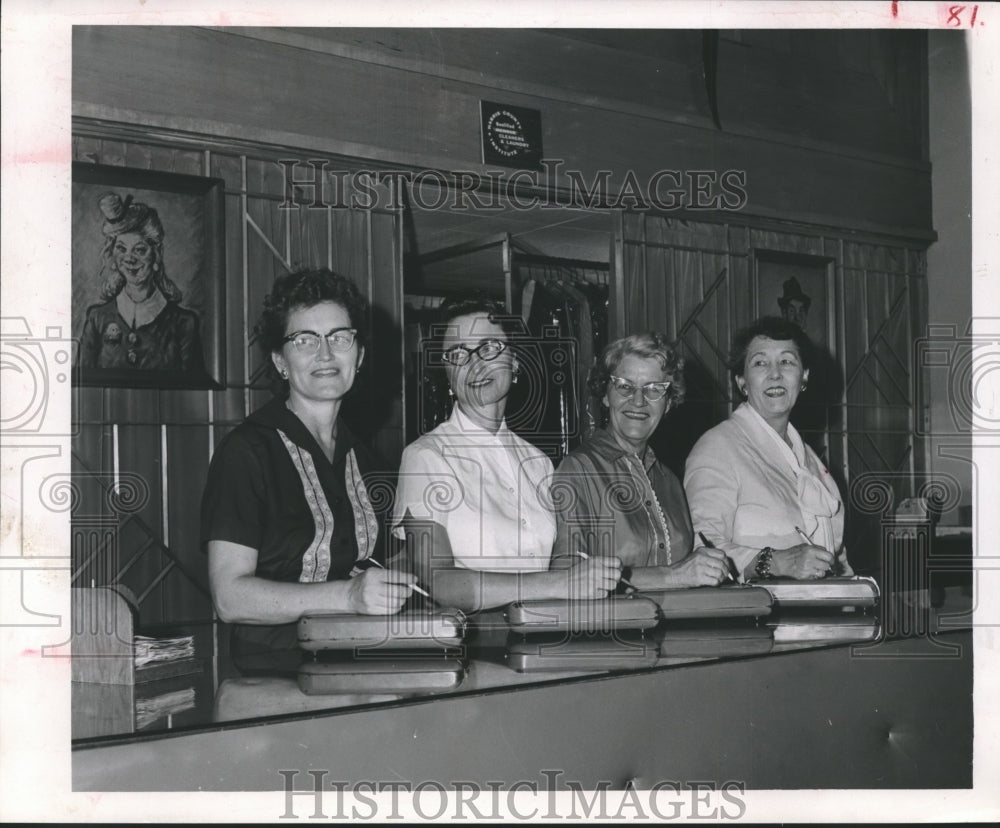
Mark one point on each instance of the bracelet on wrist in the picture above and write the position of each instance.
(762, 569)
(626, 576)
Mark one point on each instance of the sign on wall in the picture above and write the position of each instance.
(512, 135)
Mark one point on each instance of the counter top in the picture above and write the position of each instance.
(493, 659)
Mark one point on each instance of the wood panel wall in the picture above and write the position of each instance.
(141, 456)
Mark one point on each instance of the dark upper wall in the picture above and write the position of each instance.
(829, 126)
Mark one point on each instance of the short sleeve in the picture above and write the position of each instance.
(234, 502)
(427, 487)
(570, 494)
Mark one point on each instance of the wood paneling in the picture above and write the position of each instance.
(187, 461)
(679, 279)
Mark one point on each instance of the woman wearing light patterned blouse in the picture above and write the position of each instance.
(472, 502)
(612, 495)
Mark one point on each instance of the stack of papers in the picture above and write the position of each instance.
(150, 650)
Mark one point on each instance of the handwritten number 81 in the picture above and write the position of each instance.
(955, 15)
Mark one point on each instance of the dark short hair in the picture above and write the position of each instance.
(451, 309)
(770, 327)
(645, 345)
(304, 289)
(481, 304)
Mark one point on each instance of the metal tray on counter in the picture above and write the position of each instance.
(427, 629)
(604, 615)
(727, 601)
(853, 591)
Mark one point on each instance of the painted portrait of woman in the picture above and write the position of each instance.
(139, 323)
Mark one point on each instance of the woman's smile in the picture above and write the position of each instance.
(479, 385)
(773, 377)
(633, 419)
(134, 258)
(326, 374)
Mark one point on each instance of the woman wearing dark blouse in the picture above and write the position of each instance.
(286, 515)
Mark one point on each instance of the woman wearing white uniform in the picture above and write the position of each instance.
(473, 499)
(751, 483)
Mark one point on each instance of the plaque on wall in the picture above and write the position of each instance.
(512, 135)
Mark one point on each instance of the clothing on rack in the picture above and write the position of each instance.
(567, 319)
(426, 383)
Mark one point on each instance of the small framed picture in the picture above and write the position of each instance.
(148, 262)
(799, 288)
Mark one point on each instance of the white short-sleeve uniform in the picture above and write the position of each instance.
(489, 491)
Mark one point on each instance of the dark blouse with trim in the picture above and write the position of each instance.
(271, 487)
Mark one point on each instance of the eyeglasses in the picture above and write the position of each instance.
(652, 391)
(307, 342)
(488, 350)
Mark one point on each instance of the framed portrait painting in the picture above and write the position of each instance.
(798, 287)
(148, 263)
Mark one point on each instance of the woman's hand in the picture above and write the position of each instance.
(805, 562)
(379, 591)
(594, 577)
(703, 567)
(563, 561)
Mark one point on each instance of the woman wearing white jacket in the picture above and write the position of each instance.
(755, 489)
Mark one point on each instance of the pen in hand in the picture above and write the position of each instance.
(414, 587)
(731, 567)
(586, 557)
(806, 539)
